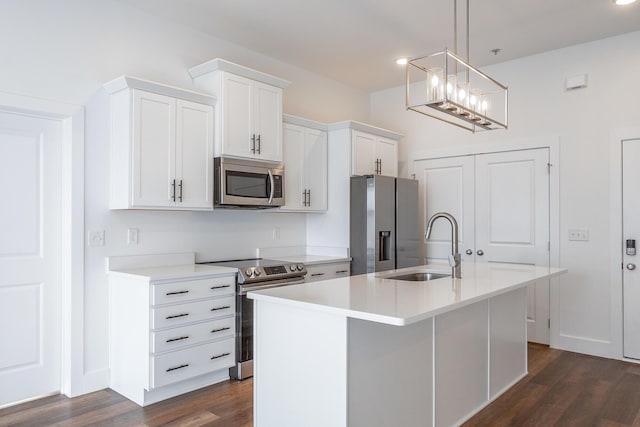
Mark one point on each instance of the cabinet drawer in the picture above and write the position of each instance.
(319, 272)
(167, 293)
(182, 364)
(192, 312)
(176, 338)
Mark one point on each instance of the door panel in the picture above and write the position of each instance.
(30, 355)
(316, 155)
(447, 185)
(293, 140)
(387, 152)
(237, 116)
(631, 230)
(363, 153)
(268, 121)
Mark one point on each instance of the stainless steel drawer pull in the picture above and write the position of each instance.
(173, 316)
(220, 355)
(342, 271)
(177, 293)
(220, 330)
(220, 287)
(221, 308)
(317, 274)
(178, 367)
(178, 339)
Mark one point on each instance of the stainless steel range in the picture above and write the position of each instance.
(253, 275)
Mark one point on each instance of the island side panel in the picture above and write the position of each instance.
(461, 363)
(300, 367)
(508, 340)
(390, 374)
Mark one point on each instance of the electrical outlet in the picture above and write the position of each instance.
(96, 238)
(132, 236)
(579, 235)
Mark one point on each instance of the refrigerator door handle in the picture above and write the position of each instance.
(384, 245)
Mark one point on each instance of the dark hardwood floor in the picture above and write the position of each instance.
(562, 389)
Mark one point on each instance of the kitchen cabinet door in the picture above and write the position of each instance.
(305, 154)
(154, 138)
(268, 122)
(387, 155)
(194, 155)
(237, 116)
(363, 153)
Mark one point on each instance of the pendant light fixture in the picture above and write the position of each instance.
(447, 87)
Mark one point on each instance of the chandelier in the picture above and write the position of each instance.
(445, 86)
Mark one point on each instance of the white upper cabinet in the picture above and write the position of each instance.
(305, 160)
(161, 153)
(249, 114)
(372, 154)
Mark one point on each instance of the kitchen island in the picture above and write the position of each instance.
(370, 350)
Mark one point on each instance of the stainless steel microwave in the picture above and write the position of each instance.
(247, 183)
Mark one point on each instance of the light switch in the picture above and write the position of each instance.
(132, 236)
(579, 235)
(96, 238)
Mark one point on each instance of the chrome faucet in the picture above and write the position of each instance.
(454, 258)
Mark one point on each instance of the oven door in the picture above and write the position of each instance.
(244, 342)
(244, 183)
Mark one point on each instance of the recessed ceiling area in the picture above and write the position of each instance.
(357, 41)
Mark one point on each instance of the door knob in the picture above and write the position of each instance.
(480, 252)
(631, 266)
(468, 252)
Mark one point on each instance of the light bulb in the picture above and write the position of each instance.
(485, 106)
(472, 100)
(434, 80)
(623, 2)
(402, 61)
(461, 94)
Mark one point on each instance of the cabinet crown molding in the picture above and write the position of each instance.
(363, 127)
(219, 64)
(129, 82)
(301, 121)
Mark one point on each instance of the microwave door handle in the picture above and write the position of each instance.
(272, 187)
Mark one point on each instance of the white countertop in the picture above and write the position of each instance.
(313, 259)
(396, 302)
(171, 272)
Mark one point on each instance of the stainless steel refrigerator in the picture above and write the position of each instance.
(384, 225)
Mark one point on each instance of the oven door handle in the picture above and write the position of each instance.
(243, 289)
(272, 187)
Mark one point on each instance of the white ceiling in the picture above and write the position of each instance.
(357, 41)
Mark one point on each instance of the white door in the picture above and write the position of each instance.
(387, 154)
(237, 116)
(30, 349)
(294, 182)
(447, 185)
(631, 231)
(362, 153)
(512, 222)
(501, 203)
(154, 136)
(316, 161)
(268, 121)
(194, 154)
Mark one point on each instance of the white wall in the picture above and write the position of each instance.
(589, 316)
(65, 51)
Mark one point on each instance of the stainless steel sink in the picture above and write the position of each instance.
(418, 276)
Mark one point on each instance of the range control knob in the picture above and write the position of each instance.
(248, 272)
(257, 272)
(292, 267)
(300, 267)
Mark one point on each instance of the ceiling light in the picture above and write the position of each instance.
(445, 86)
(402, 61)
(623, 2)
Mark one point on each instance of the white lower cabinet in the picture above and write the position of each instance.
(317, 272)
(168, 337)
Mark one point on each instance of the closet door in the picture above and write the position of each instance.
(512, 221)
(447, 185)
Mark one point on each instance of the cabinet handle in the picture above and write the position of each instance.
(173, 316)
(317, 274)
(480, 252)
(220, 287)
(176, 293)
(258, 139)
(220, 330)
(173, 190)
(220, 308)
(253, 143)
(220, 355)
(380, 167)
(469, 252)
(304, 198)
(342, 271)
(309, 194)
(178, 339)
(180, 185)
(178, 367)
